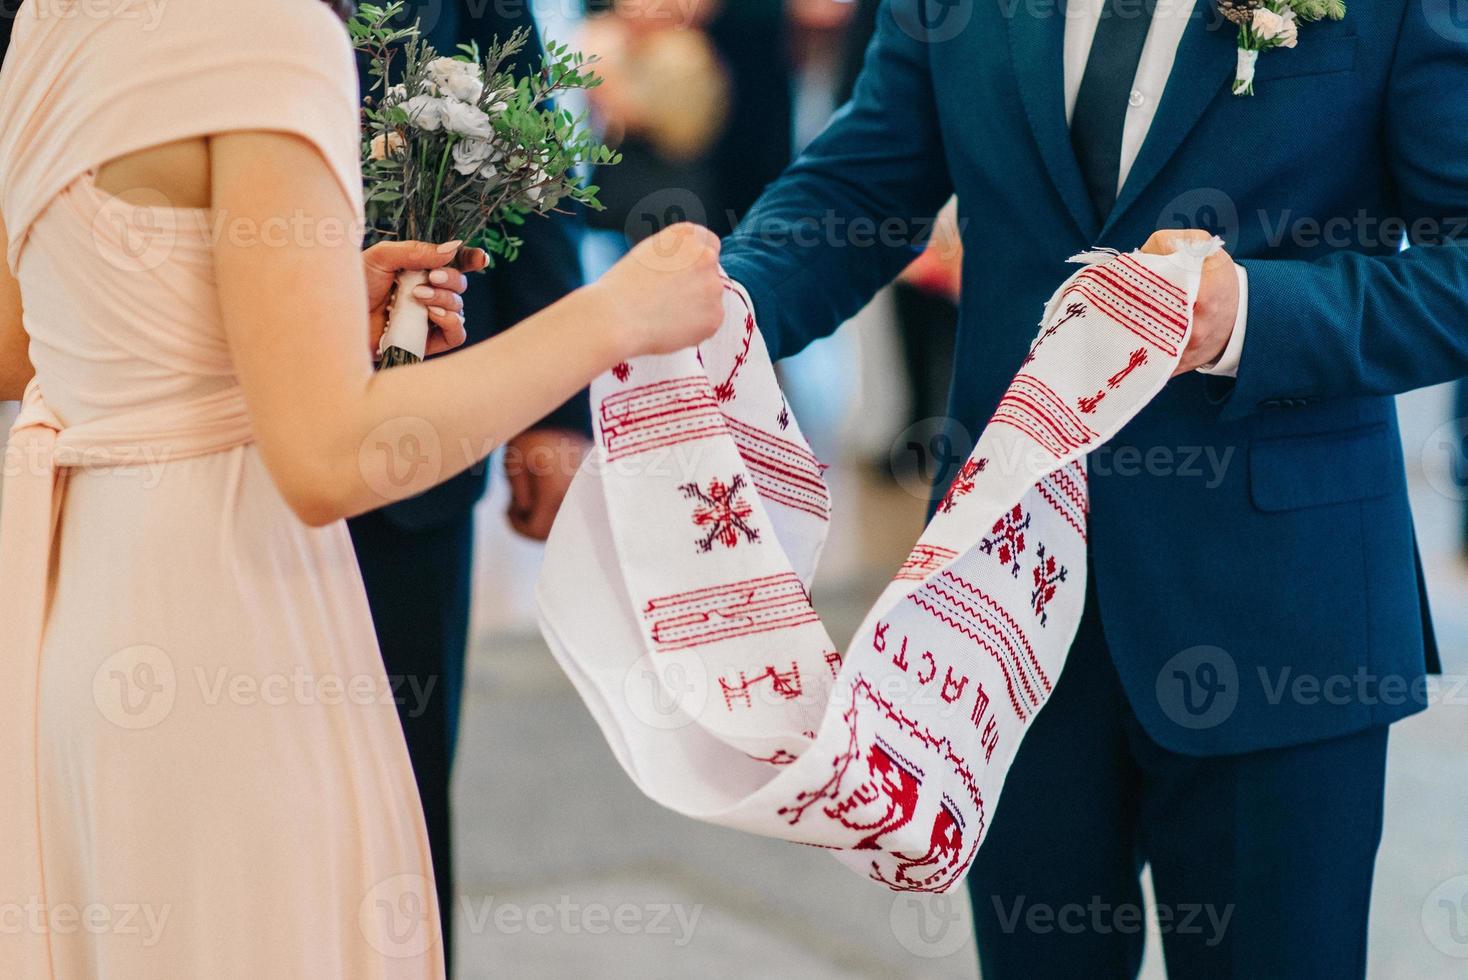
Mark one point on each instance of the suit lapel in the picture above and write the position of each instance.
(1200, 74)
(1037, 48)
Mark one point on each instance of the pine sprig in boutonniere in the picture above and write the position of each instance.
(462, 148)
(1267, 24)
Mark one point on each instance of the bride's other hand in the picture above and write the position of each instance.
(667, 293)
(444, 294)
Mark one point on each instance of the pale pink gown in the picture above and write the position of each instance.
(202, 774)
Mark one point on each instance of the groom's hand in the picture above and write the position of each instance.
(1217, 308)
(541, 464)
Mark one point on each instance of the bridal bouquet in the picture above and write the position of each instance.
(458, 148)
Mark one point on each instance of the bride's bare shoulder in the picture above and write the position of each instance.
(179, 171)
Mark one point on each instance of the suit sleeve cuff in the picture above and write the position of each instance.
(1227, 365)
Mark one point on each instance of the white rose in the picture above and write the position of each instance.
(490, 174)
(426, 112)
(470, 155)
(1270, 26)
(459, 79)
(465, 119)
(387, 144)
(395, 95)
(1291, 34)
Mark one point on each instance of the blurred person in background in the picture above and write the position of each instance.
(417, 555)
(697, 97)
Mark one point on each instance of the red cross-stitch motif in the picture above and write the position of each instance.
(1007, 539)
(622, 371)
(963, 484)
(1137, 359)
(784, 684)
(723, 511)
(1071, 312)
(1049, 573)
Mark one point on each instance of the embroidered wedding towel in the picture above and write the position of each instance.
(675, 590)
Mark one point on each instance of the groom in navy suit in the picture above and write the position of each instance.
(1256, 617)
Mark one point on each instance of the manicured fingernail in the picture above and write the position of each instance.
(438, 277)
(422, 292)
(438, 311)
(448, 247)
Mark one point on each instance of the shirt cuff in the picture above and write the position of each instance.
(1227, 365)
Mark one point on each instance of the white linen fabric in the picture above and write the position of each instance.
(675, 590)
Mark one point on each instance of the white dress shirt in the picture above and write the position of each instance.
(1168, 23)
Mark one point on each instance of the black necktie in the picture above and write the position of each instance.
(1101, 105)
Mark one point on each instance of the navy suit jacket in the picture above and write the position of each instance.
(547, 269)
(1292, 558)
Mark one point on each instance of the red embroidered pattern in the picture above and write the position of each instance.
(1138, 299)
(622, 371)
(725, 612)
(1048, 575)
(924, 561)
(1065, 490)
(1034, 409)
(784, 684)
(980, 617)
(963, 483)
(1006, 540)
(724, 390)
(723, 512)
(783, 471)
(659, 415)
(1071, 312)
(1137, 359)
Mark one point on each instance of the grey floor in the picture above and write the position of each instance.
(566, 871)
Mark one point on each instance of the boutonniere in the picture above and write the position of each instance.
(1267, 24)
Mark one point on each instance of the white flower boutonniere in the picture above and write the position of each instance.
(1266, 24)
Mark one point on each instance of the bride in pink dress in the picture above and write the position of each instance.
(203, 774)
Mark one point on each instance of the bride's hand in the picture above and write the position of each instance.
(667, 293)
(444, 295)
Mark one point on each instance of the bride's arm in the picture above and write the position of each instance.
(340, 439)
(15, 361)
